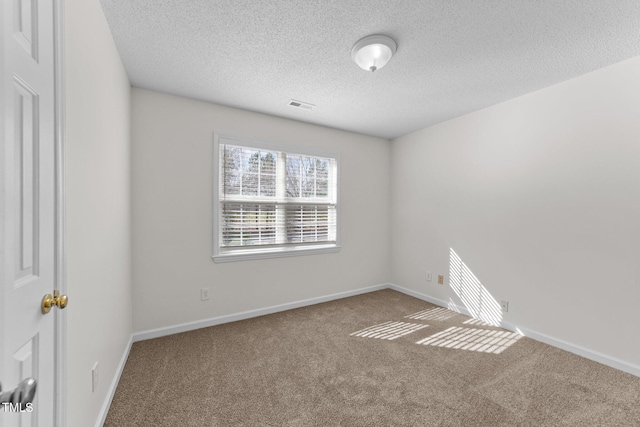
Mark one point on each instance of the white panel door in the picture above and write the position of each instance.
(27, 211)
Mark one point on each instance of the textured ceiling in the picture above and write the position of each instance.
(454, 56)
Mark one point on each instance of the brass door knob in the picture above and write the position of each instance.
(49, 301)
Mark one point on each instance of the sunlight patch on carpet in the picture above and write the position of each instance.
(477, 322)
(432, 314)
(481, 340)
(388, 330)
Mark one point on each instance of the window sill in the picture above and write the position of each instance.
(250, 254)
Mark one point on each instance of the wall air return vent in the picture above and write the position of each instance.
(300, 104)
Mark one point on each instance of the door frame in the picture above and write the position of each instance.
(60, 322)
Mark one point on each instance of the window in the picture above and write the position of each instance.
(273, 200)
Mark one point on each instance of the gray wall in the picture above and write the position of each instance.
(98, 208)
(172, 215)
(540, 198)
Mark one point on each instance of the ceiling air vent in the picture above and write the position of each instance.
(300, 104)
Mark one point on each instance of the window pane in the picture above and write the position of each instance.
(232, 170)
(250, 184)
(293, 176)
(248, 172)
(245, 224)
(307, 177)
(268, 173)
(322, 177)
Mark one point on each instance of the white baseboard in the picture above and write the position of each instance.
(555, 342)
(190, 326)
(430, 299)
(613, 362)
(102, 416)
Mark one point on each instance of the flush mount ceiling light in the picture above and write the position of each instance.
(373, 52)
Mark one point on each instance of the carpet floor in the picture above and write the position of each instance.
(377, 359)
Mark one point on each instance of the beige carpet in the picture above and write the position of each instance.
(379, 359)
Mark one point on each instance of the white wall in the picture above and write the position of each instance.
(172, 215)
(540, 197)
(98, 208)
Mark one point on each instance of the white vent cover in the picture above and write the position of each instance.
(300, 104)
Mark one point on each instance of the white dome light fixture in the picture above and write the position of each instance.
(373, 52)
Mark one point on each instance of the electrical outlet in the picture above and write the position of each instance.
(505, 306)
(440, 280)
(204, 294)
(428, 276)
(94, 377)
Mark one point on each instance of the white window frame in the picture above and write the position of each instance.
(256, 252)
